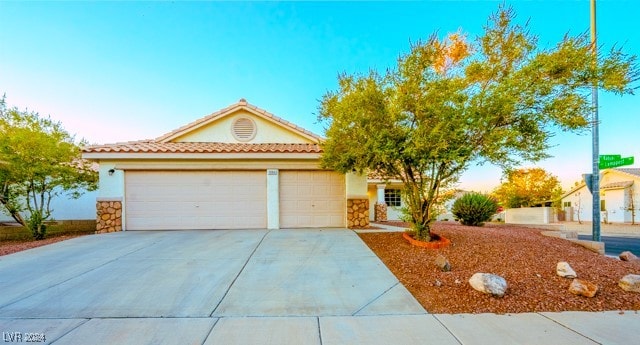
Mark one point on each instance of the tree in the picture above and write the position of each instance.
(452, 101)
(527, 187)
(40, 161)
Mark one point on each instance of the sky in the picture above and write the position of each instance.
(120, 71)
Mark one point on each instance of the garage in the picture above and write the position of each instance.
(312, 199)
(181, 200)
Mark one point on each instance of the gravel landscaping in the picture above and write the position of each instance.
(524, 257)
(9, 247)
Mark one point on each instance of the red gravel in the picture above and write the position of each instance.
(9, 247)
(524, 257)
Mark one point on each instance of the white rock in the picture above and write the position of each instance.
(630, 282)
(564, 270)
(489, 283)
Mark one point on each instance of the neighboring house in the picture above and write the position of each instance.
(66, 208)
(238, 168)
(619, 194)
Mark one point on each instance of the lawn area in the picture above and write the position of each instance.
(524, 257)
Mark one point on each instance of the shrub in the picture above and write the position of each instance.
(474, 209)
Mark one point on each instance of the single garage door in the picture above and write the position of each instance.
(177, 200)
(311, 199)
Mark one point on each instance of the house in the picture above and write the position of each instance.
(619, 197)
(386, 197)
(238, 168)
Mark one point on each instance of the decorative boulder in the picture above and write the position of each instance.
(489, 283)
(583, 288)
(628, 256)
(564, 270)
(630, 282)
(442, 263)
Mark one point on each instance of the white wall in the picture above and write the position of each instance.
(529, 215)
(65, 208)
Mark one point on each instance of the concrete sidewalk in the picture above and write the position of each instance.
(249, 287)
(530, 328)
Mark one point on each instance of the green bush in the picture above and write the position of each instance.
(474, 209)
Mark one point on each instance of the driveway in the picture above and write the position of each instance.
(200, 276)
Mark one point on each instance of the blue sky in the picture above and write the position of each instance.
(118, 71)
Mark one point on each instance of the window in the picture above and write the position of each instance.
(603, 207)
(392, 197)
(567, 204)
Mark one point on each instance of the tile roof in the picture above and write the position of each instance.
(630, 171)
(242, 104)
(617, 185)
(152, 146)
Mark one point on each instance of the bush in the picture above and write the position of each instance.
(474, 209)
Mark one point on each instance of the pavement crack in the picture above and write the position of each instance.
(568, 328)
(239, 273)
(375, 299)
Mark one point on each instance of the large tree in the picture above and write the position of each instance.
(39, 160)
(454, 101)
(527, 187)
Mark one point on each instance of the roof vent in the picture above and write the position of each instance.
(243, 129)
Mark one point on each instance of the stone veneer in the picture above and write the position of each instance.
(357, 213)
(380, 214)
(109, 215)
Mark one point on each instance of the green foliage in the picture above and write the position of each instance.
(474, 209)
(451, 102)
(527, 187)
(39, 161)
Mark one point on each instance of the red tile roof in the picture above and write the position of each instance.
(151, 146)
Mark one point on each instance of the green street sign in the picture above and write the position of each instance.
(608, 158)
(607, 164)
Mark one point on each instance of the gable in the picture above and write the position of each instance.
(616, 176)
(242, 126)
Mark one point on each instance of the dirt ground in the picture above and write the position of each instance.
(525, 258)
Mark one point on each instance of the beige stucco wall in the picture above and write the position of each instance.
(220, 131)
(356, 186)
(530, 215)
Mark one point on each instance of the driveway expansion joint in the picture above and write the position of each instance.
(239, 272)
(568, 328)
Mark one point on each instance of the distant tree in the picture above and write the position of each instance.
(631, 206)
(527, 187)
(452, 102)
(40, 160)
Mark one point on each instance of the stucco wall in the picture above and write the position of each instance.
(64, 208)
(220, 131)
(530, 215)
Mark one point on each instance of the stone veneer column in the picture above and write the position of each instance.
(380, 214)
(109, 215)
(357, 213)
(380, 210)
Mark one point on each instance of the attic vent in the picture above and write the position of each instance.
(244, 129)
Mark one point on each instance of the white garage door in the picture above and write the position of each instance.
(310, 199)
(195, 200)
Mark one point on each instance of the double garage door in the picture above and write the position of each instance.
(177, 200)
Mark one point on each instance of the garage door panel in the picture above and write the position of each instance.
(312, 199)
(195, 200)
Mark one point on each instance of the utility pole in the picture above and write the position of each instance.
(595, 176)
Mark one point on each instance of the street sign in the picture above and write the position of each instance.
(608, 158)
(589, 181)
(615, 163)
